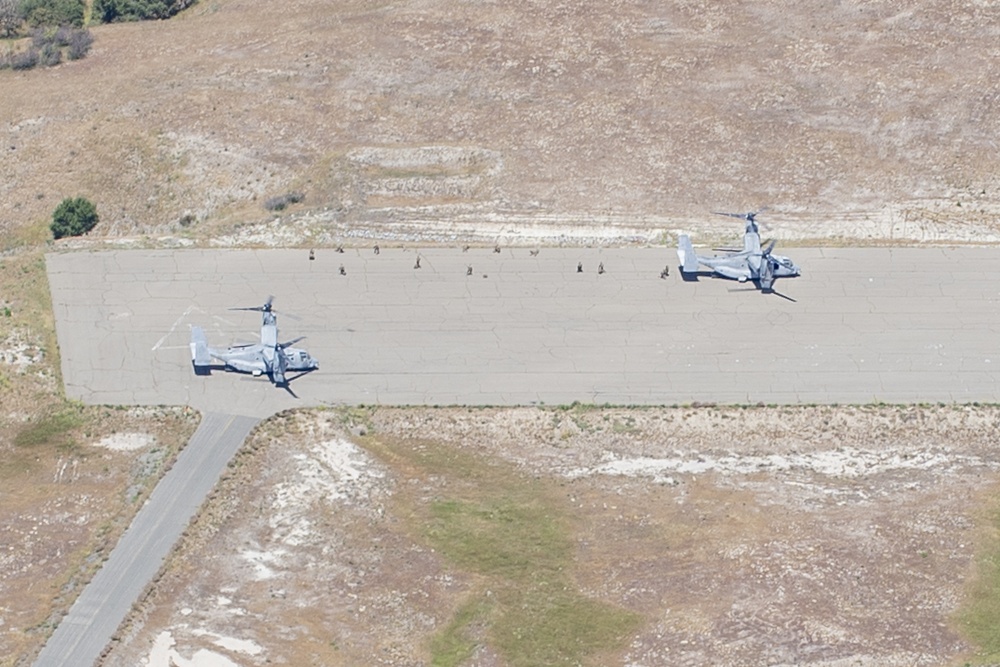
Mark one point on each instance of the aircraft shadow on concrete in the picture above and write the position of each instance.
(286, 385)
(694, 276)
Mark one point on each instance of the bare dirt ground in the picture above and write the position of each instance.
(66, 500)
(857, 122)
(759, 536)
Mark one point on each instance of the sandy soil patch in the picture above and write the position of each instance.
(126, 442)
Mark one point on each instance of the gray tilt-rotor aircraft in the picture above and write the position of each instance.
(266, 357)
(753, 263)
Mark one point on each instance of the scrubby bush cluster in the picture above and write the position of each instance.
(57, 19)
(282, 202)
(50, 46)
(73, 217)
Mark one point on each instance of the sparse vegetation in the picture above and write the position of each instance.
(282, 202)
(49, 46)
(53, 429)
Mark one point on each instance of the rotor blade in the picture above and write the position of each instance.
(260, 309)
(749, 216)
(282, 346)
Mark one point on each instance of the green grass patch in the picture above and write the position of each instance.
(515, 534)
(556, 625)
(979, 617)
(52, 429)
(454, 644)
(510, 536)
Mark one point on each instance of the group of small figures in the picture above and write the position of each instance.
(600, 268)
(468, 270)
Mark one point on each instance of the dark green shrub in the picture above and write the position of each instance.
(109, 11)
(52, 12)
(73, 217)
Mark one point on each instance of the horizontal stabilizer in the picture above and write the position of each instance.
(686, 255)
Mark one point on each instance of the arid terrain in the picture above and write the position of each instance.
(831, 536)
(735, 536)
(855, 121)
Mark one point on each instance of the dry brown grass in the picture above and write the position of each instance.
(865, 120)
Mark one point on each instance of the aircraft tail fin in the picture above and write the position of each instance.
(200, 357)
(686, 255)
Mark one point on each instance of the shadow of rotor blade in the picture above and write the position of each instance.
(289, 378)
(783, 296)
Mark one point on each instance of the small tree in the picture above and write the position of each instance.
(10, 17)
(73, 217)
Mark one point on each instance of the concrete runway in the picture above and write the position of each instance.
(897, 325)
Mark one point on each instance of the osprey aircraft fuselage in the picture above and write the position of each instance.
(752, 263)
(268, 357)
